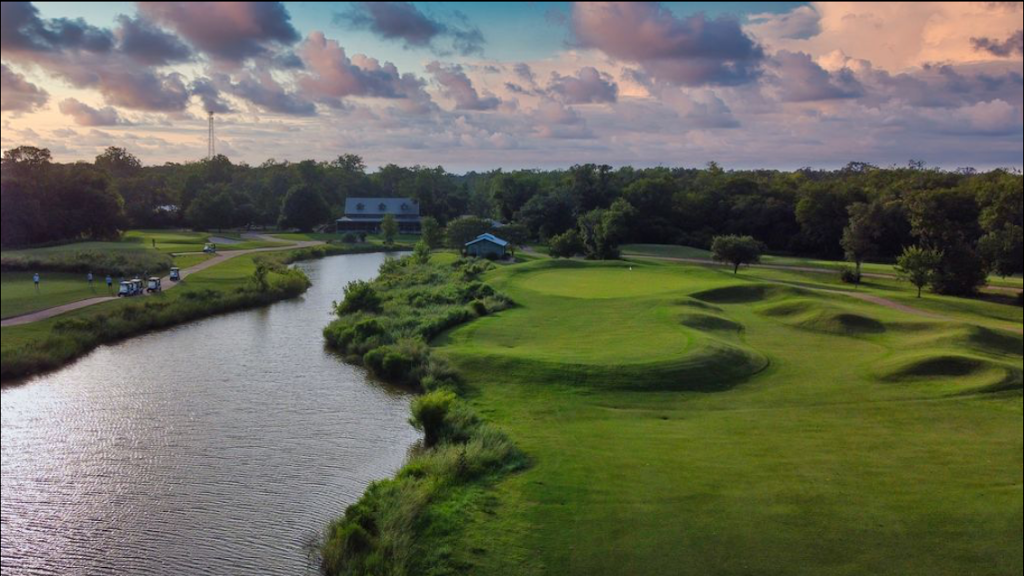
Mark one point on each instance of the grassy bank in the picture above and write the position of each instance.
(20, 295)
(229, 286)
(409, 524)
(49, 344)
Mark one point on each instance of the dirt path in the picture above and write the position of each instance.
(783, 267)
(165, 282)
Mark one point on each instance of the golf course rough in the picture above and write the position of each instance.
(684, 421)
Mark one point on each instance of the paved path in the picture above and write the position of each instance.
(165, 282)
(784, 267)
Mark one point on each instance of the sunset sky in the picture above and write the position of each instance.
(518, 85)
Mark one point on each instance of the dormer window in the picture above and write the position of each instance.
(360, 206)
(405, 207)
(383, 207)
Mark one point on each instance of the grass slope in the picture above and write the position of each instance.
(871, 442)
(19, 295)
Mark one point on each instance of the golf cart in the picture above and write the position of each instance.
(175, 274)
(154, 285)
(125, 290)
(210, 249)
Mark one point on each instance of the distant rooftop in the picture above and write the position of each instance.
(489, 238)
(357, 208)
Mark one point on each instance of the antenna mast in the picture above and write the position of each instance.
(211, 147)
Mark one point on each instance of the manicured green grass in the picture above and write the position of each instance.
(872, 441)
(19, 295)
(189, 260)
(672, 251)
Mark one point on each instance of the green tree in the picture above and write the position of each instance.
(212, 209)
(303, 209)
(515, 234)
(421, 252)
(464, 229)
(566, 245)
(860, 238)
(118, 162)
(389, 228)
(601, 230)
(918, 265)
(736, 250)
(432, 233)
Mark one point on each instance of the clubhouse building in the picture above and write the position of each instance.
(366, 214)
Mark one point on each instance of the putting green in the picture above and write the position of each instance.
(608, 324)
(574, 280)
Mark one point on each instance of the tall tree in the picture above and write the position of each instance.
(860, 238)
(303, 209)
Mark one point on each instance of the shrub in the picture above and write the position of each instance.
(566, 245)
(1020, 298)
(360, 296)
(429, 413)
(849, 276)
(478, 307)
(350, 238)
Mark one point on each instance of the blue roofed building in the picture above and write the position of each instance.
(366, 214)
(487, 246)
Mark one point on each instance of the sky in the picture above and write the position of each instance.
(518, 85)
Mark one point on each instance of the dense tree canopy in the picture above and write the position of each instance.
(861, 211)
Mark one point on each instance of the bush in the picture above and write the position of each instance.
(849, 276)
(478, 307)
(429, 413)
(360, 296)
(114, 262)
(350, 238)
(1020, 298)
(566, 245)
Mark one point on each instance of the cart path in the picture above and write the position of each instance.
(786, 268)
(165, 282)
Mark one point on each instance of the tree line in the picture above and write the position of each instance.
(971, 220)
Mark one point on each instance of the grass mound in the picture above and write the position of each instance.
(960, 373)
(711, 365)
(744, 293)
(710, 323)
(820, 317)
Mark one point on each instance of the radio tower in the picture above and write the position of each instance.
(211, 147)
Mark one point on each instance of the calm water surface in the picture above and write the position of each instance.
(220, 447)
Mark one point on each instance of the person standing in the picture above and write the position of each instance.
(110, 283)
(89, 278)
(35, 280)
(154, 243)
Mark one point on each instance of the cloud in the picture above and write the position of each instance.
(265, 92)
(691, 51)
(556, 121)
(1011, 46)
(231, 32)
(523, 71)
(800, 23)
(210, 96)
(405, 22)
(333, 75)
(588, 87)
(148, 44)
(22, 30)
(801, 79)
(18, 94)
(457, 86)
(85, 115)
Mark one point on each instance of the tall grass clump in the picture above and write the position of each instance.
(73, 337)
(404, 526)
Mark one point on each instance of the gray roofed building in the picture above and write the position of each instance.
(366, 214)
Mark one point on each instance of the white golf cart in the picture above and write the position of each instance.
(210, 249)
(125, 289)
(175, 274)
(154, 285)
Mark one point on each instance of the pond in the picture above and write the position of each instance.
(222, 446)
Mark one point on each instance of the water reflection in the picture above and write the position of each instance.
(217, 447)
